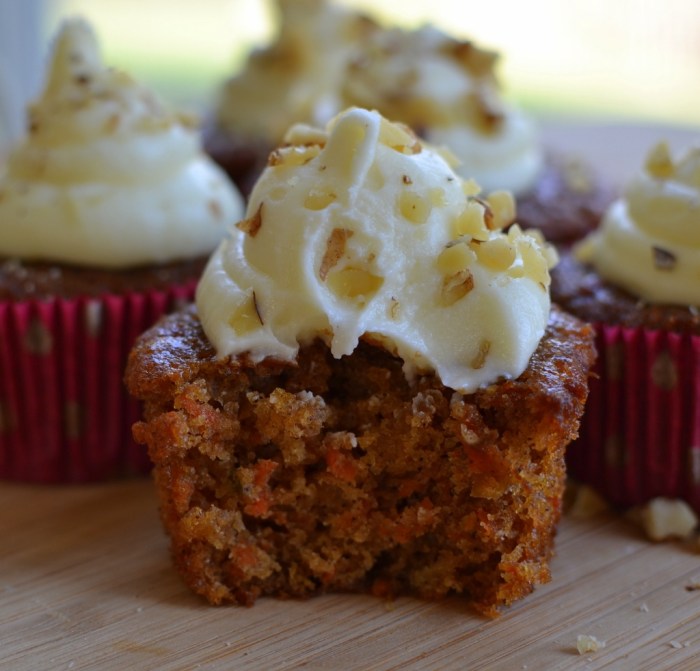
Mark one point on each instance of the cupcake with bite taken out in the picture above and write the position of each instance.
(637, 279)
(108, 212)
(372, 391)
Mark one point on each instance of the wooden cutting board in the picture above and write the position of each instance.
(86, 581)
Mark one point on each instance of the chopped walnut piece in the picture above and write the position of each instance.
(456, 286)
(414, 207)
(663, 519)
(394, 307)
(693, 585)
(397, 136)
(252, 225)
(357, 284)
(293, 155)
(489, 219)
(502, 207)
(497, 254)
(470, 188)
(335, 248)
(586, 644)
(480, 358)
(415, 148)
(663, 259)
(455, 257)
(487, 114)
(587, 504)
(659, 163)
(247, 317)
(471, 221)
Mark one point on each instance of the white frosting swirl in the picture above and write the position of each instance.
(649, 240)
(447, 90)
(107, 176)
(362, 231)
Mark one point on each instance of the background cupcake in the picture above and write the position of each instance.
(326, 58)
(637, 280)
(108, 210)
(447, 90)
(293, 80)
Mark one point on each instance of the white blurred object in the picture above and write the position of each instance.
(21, 59)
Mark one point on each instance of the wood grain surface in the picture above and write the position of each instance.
(86, 581)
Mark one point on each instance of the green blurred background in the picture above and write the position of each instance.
(628, 59)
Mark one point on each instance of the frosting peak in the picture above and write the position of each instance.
(364, 231)
(107, 175)
(447, 90)
(649, 240)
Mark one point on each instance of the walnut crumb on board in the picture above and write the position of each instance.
(586, 503)
(586, 643)
(663, 519)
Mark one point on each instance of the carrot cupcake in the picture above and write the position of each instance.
(636, 279)
(371, 392)
(108, 212)
(447, 90)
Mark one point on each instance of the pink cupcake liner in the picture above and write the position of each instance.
(640, 434)
(65, 415)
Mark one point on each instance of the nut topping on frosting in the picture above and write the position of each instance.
(375, 237)
(649, 240)
(107, 176)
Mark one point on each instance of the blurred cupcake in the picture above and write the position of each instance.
(108, 211)
(447, 90)
(293, 80)
(637, 279)
(326, 58)
(372, 393)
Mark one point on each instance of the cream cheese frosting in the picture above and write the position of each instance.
(363, 231)
(649, 240)
(106, 175)
(447, 90)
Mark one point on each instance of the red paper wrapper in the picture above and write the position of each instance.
(65, 415)
(640, 434)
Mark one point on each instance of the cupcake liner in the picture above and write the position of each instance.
(65, 415)
(640, 435)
